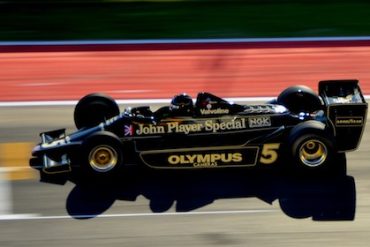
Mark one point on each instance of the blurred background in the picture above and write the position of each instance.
(155, 19)
(52, 53)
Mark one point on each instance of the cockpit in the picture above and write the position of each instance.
(205, 105)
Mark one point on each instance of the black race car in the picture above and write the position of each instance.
(299, 131)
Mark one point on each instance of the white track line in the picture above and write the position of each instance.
(202, 213)
(182, 41)
(120, 102)
(125, 102)
(5, 195)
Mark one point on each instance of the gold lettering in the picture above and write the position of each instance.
(237, 157)
(173, 159)
(191, 158)
(197, 159)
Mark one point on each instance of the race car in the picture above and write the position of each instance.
(300, 131)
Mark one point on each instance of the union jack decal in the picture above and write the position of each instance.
(129, 130)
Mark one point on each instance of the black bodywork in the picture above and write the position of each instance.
(217, 133)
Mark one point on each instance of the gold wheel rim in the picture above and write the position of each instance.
(313, 153)
(103, 158)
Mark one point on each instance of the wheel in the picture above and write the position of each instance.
(314, 154)
(94, 109)
(101, 155)
(313, 150)
(300, 99)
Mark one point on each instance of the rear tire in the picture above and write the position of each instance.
(94, 109)
(312, 151)
(300, 99)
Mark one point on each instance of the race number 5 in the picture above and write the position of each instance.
(269, 153)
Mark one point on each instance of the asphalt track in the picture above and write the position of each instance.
(235, 208)
(159, 209)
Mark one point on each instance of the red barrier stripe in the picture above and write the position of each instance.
(141, 74)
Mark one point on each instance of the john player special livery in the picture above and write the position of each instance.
(299, 130)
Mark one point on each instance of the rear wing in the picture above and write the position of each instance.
(346, 110)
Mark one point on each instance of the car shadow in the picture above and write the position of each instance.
(299, 197)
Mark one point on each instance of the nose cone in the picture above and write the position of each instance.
(36, 150)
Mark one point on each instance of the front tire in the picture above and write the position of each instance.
(94, 109)
(102, 155)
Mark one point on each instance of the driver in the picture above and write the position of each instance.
(182, 104)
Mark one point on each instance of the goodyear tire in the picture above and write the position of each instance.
(300, 99)
(101, 155)
(94, 109)
(313, 151)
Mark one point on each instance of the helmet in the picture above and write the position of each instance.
(182, 103)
